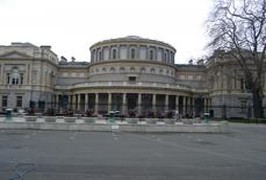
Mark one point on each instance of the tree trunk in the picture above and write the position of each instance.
(257, 104)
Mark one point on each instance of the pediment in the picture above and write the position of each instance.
(14, 55)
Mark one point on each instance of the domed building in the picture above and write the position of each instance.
(131, 75)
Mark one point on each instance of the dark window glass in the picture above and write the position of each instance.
(4, 101)
(19, 101)
(133, 54)
(151, 55)
(114, 53)
(132, 78)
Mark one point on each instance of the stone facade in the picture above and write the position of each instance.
(131, 75)
(28, 75)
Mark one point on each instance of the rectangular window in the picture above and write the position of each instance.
(21, 78)
(132, 79)
(242, 84)
(19, 101)
(199, 77)
(8, 78)
(182, 77)
(4, 101)
(190, 77)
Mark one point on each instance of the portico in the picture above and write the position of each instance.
(138, 103)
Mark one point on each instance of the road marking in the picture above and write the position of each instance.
(73, 135)
(115, 135)
(201, 150)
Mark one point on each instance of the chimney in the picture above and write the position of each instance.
(46, 47)
(63, 59)
(73, 59)
(200, 62)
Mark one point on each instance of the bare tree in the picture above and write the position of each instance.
(239, 28)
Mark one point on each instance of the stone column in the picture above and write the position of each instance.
(184, 105)
(96, 106)
(1, 102)
(79, 97)
(110, 56)
(177, 103)
(193, 106)
(189, 105)
(109, 103)
(166, 102)
(154, 103)
(74, 102)
(86, 102)
(156, 53)
(68, 101)
(57, 101)
(138, 52)
(2, 80)
(30, 74)
(128, 52)
(118, 51)
(139, 103)
(147, 52)
(124, 102)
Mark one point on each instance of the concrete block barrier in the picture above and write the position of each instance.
(50, 119)
(70, 119)
(132, 125)
(31, 118)
(88, 120)
(169, 121)
(151, 120)
(132, 120)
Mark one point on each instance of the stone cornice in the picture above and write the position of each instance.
(128, 61)
(126, 40)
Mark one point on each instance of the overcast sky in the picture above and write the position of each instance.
(72, 26)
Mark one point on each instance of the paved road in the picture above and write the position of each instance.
(69, 155)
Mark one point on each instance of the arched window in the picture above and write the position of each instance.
(8, 78)
(114, 54)
(133, 53)
(143, 70)
(93, 56)
(112, 69)
(15, 77)
(173, 57)
(122, 69)
(99, 55)
(152, 70)
(151, 55)
(165, 57)
(132, 69)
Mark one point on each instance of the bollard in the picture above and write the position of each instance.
(206, 117)
(9, 114)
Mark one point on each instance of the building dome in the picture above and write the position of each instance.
(132, 58)
(132, 48)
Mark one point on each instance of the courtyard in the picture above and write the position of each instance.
(36, 154)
